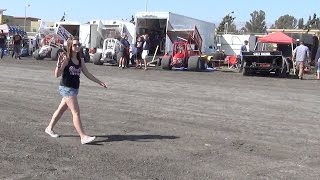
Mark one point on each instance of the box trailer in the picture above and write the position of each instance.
(231, 43)
(105, 37)
(157, 24)
(103, 29)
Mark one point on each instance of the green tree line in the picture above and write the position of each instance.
(257, 23)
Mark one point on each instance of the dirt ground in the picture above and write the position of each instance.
(159, 124)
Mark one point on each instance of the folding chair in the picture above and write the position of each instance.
(232, 62)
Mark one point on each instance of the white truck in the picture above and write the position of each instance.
(157, 24)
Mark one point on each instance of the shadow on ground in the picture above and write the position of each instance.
(117, 138)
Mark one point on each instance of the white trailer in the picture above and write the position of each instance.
(71, 26)
(231, 44)
(157, 24)
(105, 36)
(103, 29)
(77, 29)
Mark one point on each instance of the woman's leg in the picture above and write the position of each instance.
(145, 64)
(137, 62)
(301, 70)
(73, 105)
(140, 63)
(121, 62)
(318, 69)
(57, 114)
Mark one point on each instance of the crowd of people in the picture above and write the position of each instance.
(136, 53)
(14, 44)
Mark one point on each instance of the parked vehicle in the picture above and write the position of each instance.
(51, 46)
(186, 52)
(266, 61)
(105, 37)
(109, 54)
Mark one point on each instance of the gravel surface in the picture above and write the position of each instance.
(159, 124)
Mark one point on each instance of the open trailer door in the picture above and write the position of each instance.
(191, 35)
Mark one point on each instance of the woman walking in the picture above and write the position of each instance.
(69, 66)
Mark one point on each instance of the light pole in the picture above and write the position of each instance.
(147, 1)
(25, 16)
(229, 19)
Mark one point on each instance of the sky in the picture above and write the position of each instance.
(207, 10)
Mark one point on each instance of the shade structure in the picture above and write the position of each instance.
(277, 38)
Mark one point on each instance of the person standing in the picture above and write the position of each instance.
(244, 48)
(17, 40)
(317, 59)
(139, 46)
(124, 51)
(301, 56)
(145, 52)
(3, 39)
(133, 55)
(69, 66)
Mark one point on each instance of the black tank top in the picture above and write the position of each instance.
(71, 75)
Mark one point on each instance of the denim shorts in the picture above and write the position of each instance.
(68, 91)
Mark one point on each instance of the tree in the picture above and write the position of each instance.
(257, 24)
(313, 23)
(227, 22)
(285, 22)
(301, 23)
(5, 20)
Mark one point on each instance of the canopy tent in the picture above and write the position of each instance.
(277, 38)
(11, 30)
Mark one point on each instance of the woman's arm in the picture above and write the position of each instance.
(90, 76)
(61, 64)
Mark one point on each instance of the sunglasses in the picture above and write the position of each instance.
(76, 45)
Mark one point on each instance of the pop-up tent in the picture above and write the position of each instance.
(277, 38)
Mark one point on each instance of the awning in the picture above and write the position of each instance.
(277, 38)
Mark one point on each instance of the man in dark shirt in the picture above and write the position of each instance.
(146, 48)
(124, 50)
(244, 48)
(17, 39)
(3, 39)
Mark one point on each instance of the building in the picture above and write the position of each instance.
(26, 23)
(30, 24)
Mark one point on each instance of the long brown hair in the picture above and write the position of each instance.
(69, 48)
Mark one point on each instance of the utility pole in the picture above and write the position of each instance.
(25, 15)
(147, 1)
